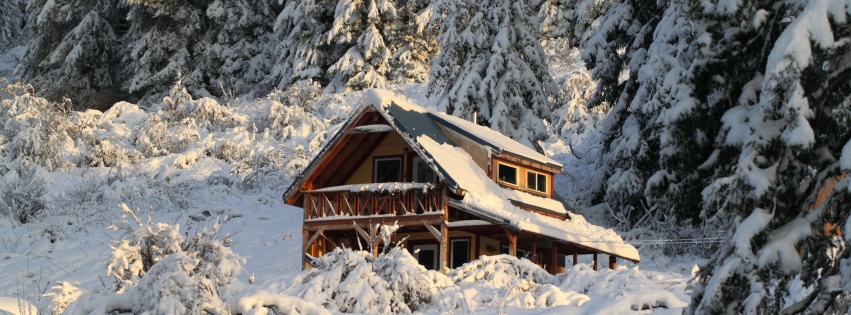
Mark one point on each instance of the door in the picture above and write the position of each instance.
(460, 249)
(427, 255)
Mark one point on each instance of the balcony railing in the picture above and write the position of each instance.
(384, 199)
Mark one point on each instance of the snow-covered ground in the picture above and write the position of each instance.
(267, 234)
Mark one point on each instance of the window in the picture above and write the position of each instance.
(460, 252)
(536, 181)
(506, 174)
(387, 170)
(426, 255)
(521, 253)
(422, 173)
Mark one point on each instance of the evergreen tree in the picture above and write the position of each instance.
(166, 40)
(632, 55)
(243, 43)
(360, 52)
(11, 24)
(784, 121)
(492, 63)
(302, 53)
(75, 52)
(412, 43)
(571, 20)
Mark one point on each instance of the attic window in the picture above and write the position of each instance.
(536, 182)
(506, 174)
(387, 170)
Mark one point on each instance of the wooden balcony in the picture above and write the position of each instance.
(384, 202)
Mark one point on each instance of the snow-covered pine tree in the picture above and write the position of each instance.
(166, 39)
(11, 23)
(75, 52)
(571, 20)
(413, 44)
(360, 53)
(241, 54)
(302, 51)
(787, 116)
(492, 63)
(632, 55)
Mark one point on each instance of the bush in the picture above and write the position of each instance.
(158, 270)
(348, 281)
(22, 195)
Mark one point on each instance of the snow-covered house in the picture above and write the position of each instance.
(455, 189)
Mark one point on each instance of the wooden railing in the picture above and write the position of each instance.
(329, 202)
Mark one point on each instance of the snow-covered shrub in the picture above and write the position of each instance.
(290, 113)
(350, 281)
(509, 281)
(152, 137)
(158, 137)
(34, 128)
(158, 270)
(273, 167)
(409, 280)
(87, 200)
(501, 271)
(22, 194)
(145, 243)
(624, 290)
(179, 106)
(106, 153)
(229, 150)
(262, 302)
(57, 299)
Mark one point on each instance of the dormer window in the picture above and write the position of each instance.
(507, 174)
(536, 182)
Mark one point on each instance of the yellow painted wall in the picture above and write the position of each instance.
(393, 144)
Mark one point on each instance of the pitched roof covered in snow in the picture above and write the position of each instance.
(480, 195)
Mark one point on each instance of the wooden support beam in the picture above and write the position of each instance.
(312, 239)
(554, 259)
(372, 239)
(444, 248)
(535, 249)
(595, 261)
(512, 242)
(437, 234)
(329, 241)
(612, 262)
(442, 237)
(575, 256)
(304, 235)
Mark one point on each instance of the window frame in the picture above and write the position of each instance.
(452, 242)
(375, 161)
(535, 190)
(413, 173)
(516, 174)
(427, 246)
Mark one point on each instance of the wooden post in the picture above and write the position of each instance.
(612, 262)
(442, 237)
(444, 249)
(595, 261)
(305, 234)
(535, 249)
(512, 242)
(554, 259)
(373, 233)
(575, 256)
